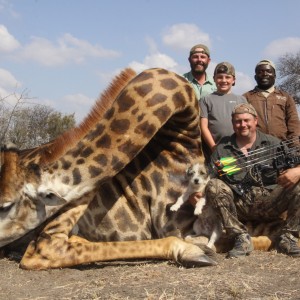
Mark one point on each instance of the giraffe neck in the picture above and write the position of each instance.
(138, 115)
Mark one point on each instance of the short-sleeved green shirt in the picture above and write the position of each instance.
(208, 87)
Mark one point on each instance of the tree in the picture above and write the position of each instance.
(29, 125)
(288, 68)
(58, 123)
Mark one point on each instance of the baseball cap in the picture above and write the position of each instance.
(266, 62)
(225, 67)
(244, 108)
(205, 50)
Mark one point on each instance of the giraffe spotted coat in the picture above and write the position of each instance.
(102, 191)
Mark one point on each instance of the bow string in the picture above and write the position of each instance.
(267, 155)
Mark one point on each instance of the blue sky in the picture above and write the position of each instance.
(64, 53)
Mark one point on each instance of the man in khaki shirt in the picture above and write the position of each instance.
(276, 109)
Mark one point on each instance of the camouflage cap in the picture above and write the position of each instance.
(244, 108)
(205, 49)
(225, 67)
(266, 62)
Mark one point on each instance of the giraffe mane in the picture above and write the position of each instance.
(56, 148)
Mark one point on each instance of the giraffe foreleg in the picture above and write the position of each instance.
(58, 251)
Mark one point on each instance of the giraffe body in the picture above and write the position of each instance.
(113, 178)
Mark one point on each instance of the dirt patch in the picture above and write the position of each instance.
(262, 275)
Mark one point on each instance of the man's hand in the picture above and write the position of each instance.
(194, 198)
(289, 177)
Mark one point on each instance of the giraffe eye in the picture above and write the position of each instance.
(5, 207)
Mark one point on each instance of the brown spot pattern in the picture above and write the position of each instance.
(109, 114)
(169, 84)
(66, 179)
(124, 222)
(120, 126)
(94, 171)
(77, 151)
(141, 117)
(65, 164)
(117, 165)
(101, 159)
(144, 89)
(80, 161)
(104, 192)
(162, 72)
(134, 111)
(104, 141)
(129, 148)
(144, 76)
(125, 103)
(96, 133)
(146, 129)
(163, 113)
(179, 99)
(76, 176)
(86, 152)
(189, 92)
(156, 99)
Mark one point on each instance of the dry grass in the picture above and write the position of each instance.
(268, 276)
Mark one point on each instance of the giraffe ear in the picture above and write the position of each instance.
(52, 199)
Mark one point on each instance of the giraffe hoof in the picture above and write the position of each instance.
(198, 261)
(195, 256)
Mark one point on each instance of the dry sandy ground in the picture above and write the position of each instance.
(263, 275)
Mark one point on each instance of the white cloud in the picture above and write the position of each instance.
(11, 98)
(8, 42)
(244, 83)
(183, 36)
(138, 67)
(281, 47)
(160, 60)
(7, 80)
(156, 60)
(3, 92)
(68, 49)
(9, 87)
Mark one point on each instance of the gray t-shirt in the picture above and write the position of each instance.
(217, 109)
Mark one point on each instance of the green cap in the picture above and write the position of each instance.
(204, 50)
(225, 67)
(244, 108)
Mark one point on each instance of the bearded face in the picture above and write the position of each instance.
(199, 62)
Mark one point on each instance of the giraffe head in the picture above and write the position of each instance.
(20, 203)
(24, 203)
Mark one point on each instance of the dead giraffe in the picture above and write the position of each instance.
(114, 180)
